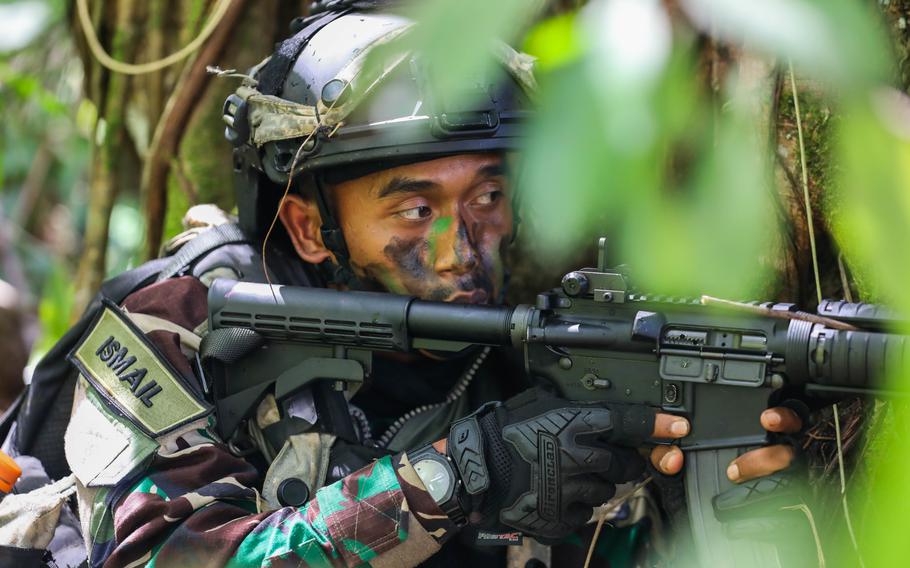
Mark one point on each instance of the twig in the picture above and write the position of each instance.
(287, 190)
(97, 50)
(818, 543)
(763, 311)
(608, 508)
(107, 160)
(844, 281)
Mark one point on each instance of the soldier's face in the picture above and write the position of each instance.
(435, 229)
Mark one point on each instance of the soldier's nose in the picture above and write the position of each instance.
(455, 252)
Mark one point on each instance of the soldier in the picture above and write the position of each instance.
(393, 187)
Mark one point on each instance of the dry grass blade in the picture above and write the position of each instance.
(843, 487)
(805, 180)
(818, 543)
(608, 508)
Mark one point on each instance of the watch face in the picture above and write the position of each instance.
(435, 476)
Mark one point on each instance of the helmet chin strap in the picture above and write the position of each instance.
(339, 272)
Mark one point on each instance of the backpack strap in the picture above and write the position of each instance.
(200, 246)
(9, 415)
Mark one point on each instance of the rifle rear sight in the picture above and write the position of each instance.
(601, 283)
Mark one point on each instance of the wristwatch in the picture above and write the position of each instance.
(441, 479)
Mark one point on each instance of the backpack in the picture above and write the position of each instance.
(35, 424)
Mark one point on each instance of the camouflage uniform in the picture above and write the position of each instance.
(183, 499)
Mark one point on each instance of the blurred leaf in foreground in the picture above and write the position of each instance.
(458, 35)
(625, 145)
(872, 206)
(837, 41)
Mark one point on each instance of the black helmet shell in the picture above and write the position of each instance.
(336, 111)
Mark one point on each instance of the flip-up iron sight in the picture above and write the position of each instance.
(604, 284)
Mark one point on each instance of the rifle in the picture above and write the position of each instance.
(593, 339)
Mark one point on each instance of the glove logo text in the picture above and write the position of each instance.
(548, 454)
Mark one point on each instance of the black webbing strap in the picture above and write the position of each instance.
(203, 244)
(340, 271)
(9, 415)
(271, 78)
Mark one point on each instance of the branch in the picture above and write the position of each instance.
(172, 125)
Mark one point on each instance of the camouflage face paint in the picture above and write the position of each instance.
(376, 277)
(456, 254)
(462, 243)
(406, 266)
(409, 273)
(406, 256)
(440, 226)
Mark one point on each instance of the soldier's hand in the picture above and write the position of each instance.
(769, 459)
(668, 459)
(539, 464)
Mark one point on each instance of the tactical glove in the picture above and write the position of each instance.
(539, 464)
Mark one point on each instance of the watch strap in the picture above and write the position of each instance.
(452, 506)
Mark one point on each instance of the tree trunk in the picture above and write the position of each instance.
(159, 135)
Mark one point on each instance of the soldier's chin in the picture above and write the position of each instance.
(476, 296)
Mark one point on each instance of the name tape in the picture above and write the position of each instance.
(133, 378)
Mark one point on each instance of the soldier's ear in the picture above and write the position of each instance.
(302, 221)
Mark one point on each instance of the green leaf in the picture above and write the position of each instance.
(555, 42)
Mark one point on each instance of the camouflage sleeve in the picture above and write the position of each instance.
(163, 520)
(425, 510)
(196, 504)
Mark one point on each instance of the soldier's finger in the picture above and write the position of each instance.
(781, 419)
(632, 424)
(763, 461)
(667, 459)
(669, 426)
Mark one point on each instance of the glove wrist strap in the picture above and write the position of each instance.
(466, 447)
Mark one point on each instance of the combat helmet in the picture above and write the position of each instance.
(344, 96)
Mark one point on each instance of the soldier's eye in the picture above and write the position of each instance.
(415, 213)
(488, 198)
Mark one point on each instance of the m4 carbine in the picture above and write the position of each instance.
(593, 339)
